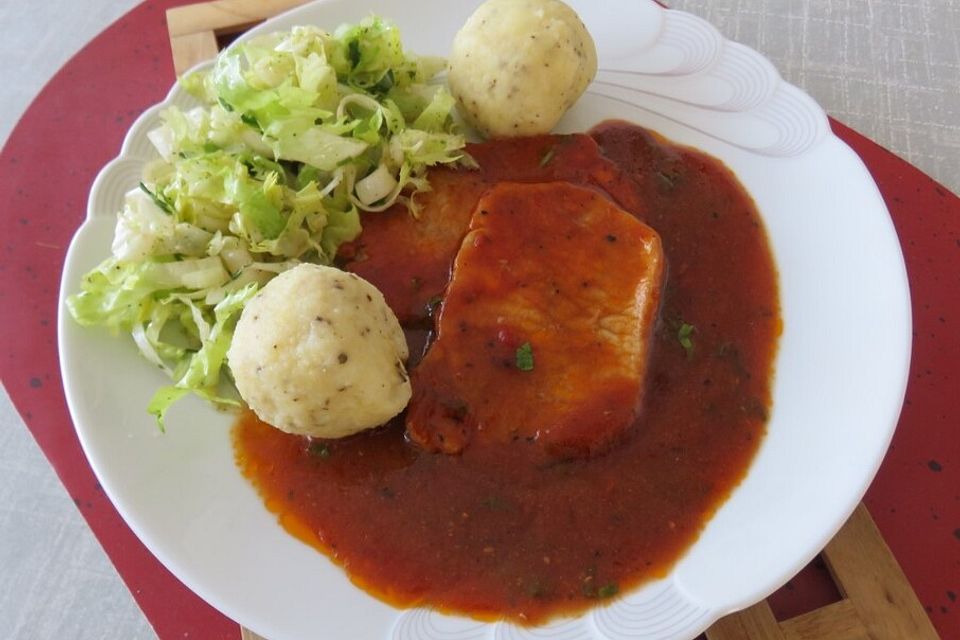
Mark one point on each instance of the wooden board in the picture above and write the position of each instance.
(196, 29)
(878, 602)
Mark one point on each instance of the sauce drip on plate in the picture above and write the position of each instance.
(496, 531)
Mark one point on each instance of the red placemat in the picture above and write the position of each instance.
(77, 124)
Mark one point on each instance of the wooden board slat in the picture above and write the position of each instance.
(878, 603)
(869, 576)
(246, 634)
(194, 28)
(836, 621)
(190, 49)
(753, 623)
(223, 14)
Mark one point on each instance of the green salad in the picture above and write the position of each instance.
(297, 134)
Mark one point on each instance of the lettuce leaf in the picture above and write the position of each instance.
(298, 133)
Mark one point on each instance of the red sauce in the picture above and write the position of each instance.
(496, 532)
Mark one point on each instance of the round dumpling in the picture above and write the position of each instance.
(318, 352)
(518, 65)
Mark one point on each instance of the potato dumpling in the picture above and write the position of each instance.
(518, 65)
(318, 352)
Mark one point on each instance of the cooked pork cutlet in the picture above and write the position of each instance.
(409, 258)
(544, 332)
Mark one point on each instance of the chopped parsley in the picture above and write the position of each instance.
(353, 53)
(158, 199)
(603, 592)
(684, 334)
(525, 357)
(251, 121)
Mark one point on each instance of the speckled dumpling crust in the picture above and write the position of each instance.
(318, 352)
(518, 65)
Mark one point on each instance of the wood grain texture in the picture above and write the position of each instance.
(868, 576)
(837, 621)
(223, 14)
(878, 603)
(194, 28)
(190, 49)
(246, 634)
(753, 623)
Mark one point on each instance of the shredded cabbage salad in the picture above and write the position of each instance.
(298, 133)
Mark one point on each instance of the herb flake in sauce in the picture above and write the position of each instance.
(525, 357)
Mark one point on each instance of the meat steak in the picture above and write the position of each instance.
(544, 332)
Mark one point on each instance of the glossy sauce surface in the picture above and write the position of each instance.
(497, 531)
(571, 282)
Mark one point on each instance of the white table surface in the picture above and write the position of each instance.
(888, 68)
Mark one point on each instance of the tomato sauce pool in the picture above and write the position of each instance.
(495, 532)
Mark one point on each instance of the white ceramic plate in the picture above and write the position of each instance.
(841, 368)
